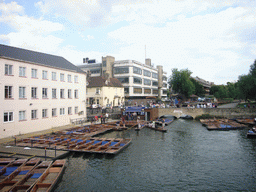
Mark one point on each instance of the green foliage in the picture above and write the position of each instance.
(199, 89)
(207, 116)
(180, 82)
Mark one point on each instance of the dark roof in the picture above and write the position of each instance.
(37, 57)
(101, 82)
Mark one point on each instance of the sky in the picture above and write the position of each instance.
(214, 39)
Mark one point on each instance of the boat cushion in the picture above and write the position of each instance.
(36, 175)
(113, 143)
(23, 172)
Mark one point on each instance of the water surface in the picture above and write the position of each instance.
(186, 158)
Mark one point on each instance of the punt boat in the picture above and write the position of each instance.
(50, 177)
(8, 170)
(30, 179)
(92, 148)
(102, 148)
(117, 148)
(251, 133)
(5, 162)
(93, 144)
(18, 174)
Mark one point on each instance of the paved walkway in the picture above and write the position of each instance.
(229, 105)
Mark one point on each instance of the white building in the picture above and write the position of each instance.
(139, 80)
(38, 91)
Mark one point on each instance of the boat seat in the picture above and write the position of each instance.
(36, 175)
(23, 172)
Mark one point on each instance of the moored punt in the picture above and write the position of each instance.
(49, 178)
(102, 148)
(8, 170)
(117, 148)
(222, 124)
(140, 126)
(18, 174)
(159, 129)
(251, 134)
(92, 144)
(248, 121)
(4, 162)
(84, 145)
(93, 147)
(30, 179)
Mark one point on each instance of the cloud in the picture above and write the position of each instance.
(10, 8)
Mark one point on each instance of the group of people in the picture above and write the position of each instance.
(103, 118)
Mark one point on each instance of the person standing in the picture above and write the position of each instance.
(123, 121)
(106, 117)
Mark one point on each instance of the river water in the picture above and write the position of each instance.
(186, 158)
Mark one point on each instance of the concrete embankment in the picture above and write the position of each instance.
(224, 112)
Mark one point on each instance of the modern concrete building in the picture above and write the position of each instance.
(105, 92)
(206, 84)
(140, 80)
(38, 91)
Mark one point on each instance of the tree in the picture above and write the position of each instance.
(180, 82)
(199, 89)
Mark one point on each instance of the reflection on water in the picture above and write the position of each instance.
(186, 158)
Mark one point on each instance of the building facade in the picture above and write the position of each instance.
(38, 91)
(140, 80)
(105, 92)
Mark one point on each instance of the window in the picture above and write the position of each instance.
(147, 91)
(44, 93)
(155, 83)
(95, 71)
(164, 78)
(22, 115)
(44, 75)
(62, 111)
(69, 78)
(44, 113)
(155, 75)
(33, 92)
(54, 93)
(137, 70)
(147, 82)
(76, 94)
(121, 70)
(98, 101)
(104, 64)
(54, 76)
(61, 77)
(76, 79)
(22, 92)
(164, 92)
(137, 80)
(34, 73)
(69, 93)
(126, 90)
(124, 79)
(8, 69)
(76, 110)
(54, 112)
(146, 73)
(8, 92)
(137, 90)
(70, 110)
(155, 91)
(8, 116)
(97, 90)
(62, 93)
(22, 71)
(33, 114)
(164, 85)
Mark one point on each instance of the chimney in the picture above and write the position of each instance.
(148, 62)
(85, 60)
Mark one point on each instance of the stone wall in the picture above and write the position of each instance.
(227, 113)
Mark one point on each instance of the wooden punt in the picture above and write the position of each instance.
(84, 145)
(102, 148)
(117, 148)
(251, 133)
(30, 179)
(50, 177)
(5, 162)
(250, 122)
(8, 170)
(18, 174)
(93, 147)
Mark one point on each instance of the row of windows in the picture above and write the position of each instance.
(34, 74)
(8, 93)
(136, 70)
(9, 116)
(138, 80)
(139, 90)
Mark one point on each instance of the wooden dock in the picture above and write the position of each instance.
(27, 152)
